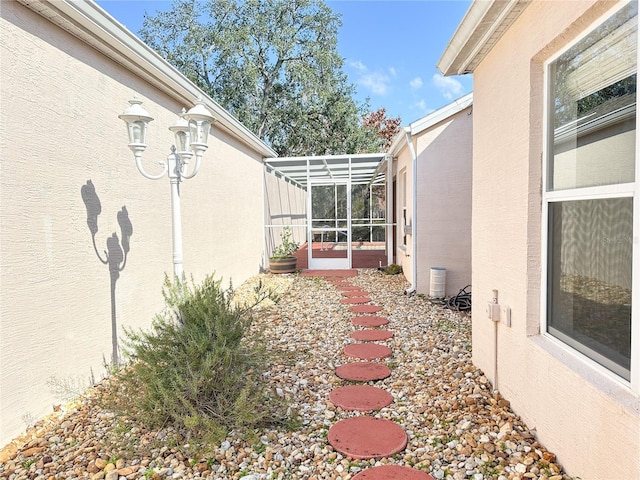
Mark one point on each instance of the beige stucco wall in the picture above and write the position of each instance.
(587, 417)
(443, 202)
(60, 102)
(403, 172)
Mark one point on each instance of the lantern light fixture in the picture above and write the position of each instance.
(191, 132)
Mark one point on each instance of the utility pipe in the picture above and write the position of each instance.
(414, 209)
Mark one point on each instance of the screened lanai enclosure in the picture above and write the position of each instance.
(339, 208)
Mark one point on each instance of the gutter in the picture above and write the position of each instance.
(481, 28)
(414, 207)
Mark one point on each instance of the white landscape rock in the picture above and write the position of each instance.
(457, 426)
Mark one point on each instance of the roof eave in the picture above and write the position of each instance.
(89, 22)
(441, 114)
(400, 140)
(482, 26)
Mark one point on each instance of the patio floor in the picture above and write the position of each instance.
(365, 257)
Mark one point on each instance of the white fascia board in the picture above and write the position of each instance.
(400, 140)
(87, 21)
(345, 157)
(441, 114)
(482, 26)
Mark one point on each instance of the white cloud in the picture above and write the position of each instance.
(416, 83)
(422, 108)
(450, 88)
(392, 71)
(358, 65)
(377, 82)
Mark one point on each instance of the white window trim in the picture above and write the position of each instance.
(605, 191)
(404, 188)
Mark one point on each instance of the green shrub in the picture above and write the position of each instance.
(198, 369)
(393, 269)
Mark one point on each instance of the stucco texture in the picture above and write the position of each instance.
(443, 197)
(65, 303)
(590, 420)
(444, 201)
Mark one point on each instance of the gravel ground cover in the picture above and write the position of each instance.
(458, 428)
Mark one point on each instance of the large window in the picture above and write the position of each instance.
(590, 187)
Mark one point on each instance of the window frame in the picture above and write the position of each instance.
(626, 190)
(403, 209)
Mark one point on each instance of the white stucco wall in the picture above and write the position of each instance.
(443, 227)
(444, 201)
(60, 102)
(403, 171)
(584, 415)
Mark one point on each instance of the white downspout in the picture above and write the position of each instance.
(414, 209)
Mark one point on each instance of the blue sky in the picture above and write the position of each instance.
(390, 49)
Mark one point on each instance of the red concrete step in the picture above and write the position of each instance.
(365, 308)
(366, 437)
(355, 300)
(371, 335)
(354, 293)
(392, 472)
(362, 398)
(367, 351)
(369, 321)
(347, 288)
(363, 371)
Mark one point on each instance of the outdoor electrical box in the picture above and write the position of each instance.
(493, 312)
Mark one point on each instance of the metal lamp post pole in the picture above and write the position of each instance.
(176, 215)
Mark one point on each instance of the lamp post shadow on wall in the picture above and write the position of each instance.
(115, 256)
(191, 132)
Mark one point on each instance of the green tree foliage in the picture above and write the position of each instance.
(273, 64)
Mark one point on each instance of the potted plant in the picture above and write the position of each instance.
(282, 259)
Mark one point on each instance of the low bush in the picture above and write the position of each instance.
(393, 269)
(199, 369)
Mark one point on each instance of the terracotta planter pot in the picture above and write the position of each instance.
(283, 265)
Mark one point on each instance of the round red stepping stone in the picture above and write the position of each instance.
(354, 300)
(365, 308)
(371, 335)
(363, 371)
(369, 321)
(367, 351)
(395, 472)
(354, 293)
(362, 398)
(366, 437)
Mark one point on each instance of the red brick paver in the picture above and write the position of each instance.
(362, 398)
(369, 321)
(365, 308)
(367, 351)
(392, 472)
(366, 437)
(371, 335)
(363, 371)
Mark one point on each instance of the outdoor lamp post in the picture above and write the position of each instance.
(191, 131)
